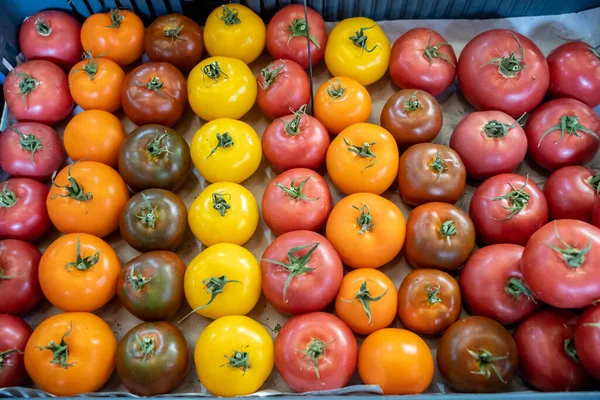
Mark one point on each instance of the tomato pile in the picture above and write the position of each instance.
(531, 286)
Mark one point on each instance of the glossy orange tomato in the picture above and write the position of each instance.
(94, 135)
(71, 353)
(341, 102)
(87, 197)
(366, 301)
(95, 83)
(366, 230)
(117, 35)
(397, 360)
(363, 158)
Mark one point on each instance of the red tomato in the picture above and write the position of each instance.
(19, 284)
(38, 91)
(508, 208)
(596, 213)
(547, 355)
(423, 59)
(561, 264)
(563, 132)
(315, 351)
(297, 263)
(14, 334)
(575, 72)
(288, 36)
(571, 192)
(283, 86)
(298, 199)
(31, 150)
(23, 213)
(587, 340)
(295, 141)
(506, 297)
(489, 143)
(503, 70)
(53, 36)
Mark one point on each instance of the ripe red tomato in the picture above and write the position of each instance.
(489, 143)
(423, 59)
(295, 141)
(14, 334)
(506, 297)
(315, 351)
(596, 213)
(547, 355)
(283, 87)
(508, 208)
(587, 340)
(563, 132)
(503, 70)
(561, 263)
(298, 199)
(571, 192)
(575, 72)
(19, 284)
(288, 36)
(29, 87)
(31, 150)
(23, 213)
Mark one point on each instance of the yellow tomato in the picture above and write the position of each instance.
(224, 212)
(226, 150)
(234, 30)
(234, 356)
(221, 87)
(224, 279)
(358, 48)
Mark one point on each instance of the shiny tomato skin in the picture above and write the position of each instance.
(493, 267)
(14, 334)
(20, 159)
(410, 68)
(27, 218)
(283, 87)
(490, 217)
(19, 283)
(575, 73)
(596, 213)
(587, 340)
(336, 365)
(486, 88)
(570, 194)
(543, 361)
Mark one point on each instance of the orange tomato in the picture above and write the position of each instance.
(363, 158)
(366, 230)
(117, 35)
(366, 301)
(95, 83)
(79, 272)
(397, 360)
(341, 102)
(71, 353)
(87, 197)
(94, 135)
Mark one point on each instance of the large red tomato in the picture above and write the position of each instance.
(508, 208)
(23, 213)
(571, 192)
(561, 264)
(563, 132)
(587, 340)
(19, 283)
(283, 87)
(503, 70)
(596, 213)
(14, 334)
(315, 351)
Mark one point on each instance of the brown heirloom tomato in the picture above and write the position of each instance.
(439, 235)
(428, 301)
(283, 86)
(412, 116)
(431, 172)
(154, 93)
(477, 355)
(176, 39)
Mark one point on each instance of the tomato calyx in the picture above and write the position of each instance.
(517, 200)
(173, 33)
(28, 143)
(364, 297)
(447, 230)
(594, 182)
(593, 324)
(595, 52)
(83, 263)
(438, 165)
(485, 361)
(572, 256)
(365, 219)
(213, 71)
(509, 67)
(8, 198)
(569, 347)
(299, 27)
(220, 203)
(146, 345)
(154, 84)
(223, 141)
(148, 214)
(60, 352)
(115, 19)
(4, 354)
(42, 27)
(295, 192)
(91, 67)
(315, 350)
(516, 287)
(496, 129)
(239, 359)
(296, 266)
(230, 16)
(412, 103)
(432, 52)
(270, 74)
(214, 286)
(137, 280)
(27, 84)
(74, 189)
(364, 151)
(359, 39)
(335, 92)
(154, 147)
(2, 276)
(432, 294)
(292, 128)
(568, 124)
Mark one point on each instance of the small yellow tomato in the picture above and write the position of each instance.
(234, 30)
(221, 87)
(224, 212)
(359, 49)
(225, 279)
(234, 356)
(226, 150)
